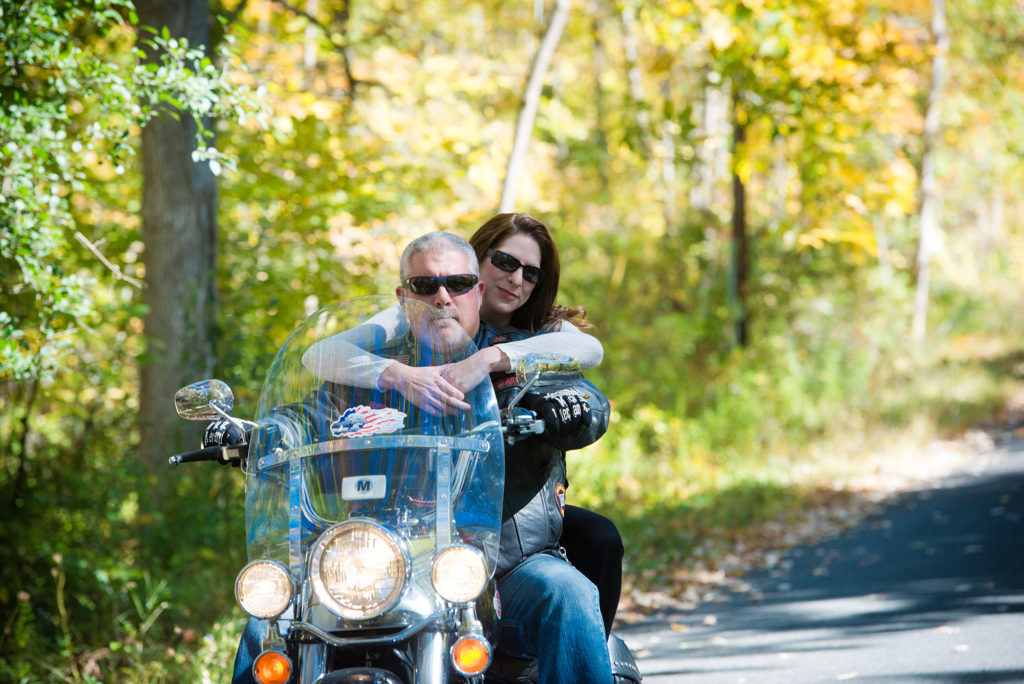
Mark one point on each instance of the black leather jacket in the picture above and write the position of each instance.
(535, 480)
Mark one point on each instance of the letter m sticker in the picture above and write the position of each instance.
(364, 487)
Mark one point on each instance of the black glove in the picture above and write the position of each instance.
(225, 433)
(565, 412)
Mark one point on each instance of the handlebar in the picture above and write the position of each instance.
(233, 455)
(517, 423)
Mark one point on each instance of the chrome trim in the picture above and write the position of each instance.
(277, 457)
(431, 663)
(367, 641)
(295, 492)
(313, 662)
(443, 493)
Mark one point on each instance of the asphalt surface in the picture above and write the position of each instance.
(929, 590)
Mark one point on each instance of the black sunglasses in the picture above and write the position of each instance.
(509, 264)
(428, 285)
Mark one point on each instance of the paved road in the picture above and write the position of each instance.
(930, 590)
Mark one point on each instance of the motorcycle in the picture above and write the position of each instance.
(372, 524)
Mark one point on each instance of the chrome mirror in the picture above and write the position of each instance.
(206, 400)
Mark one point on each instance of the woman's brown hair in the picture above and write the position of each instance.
(540, 310)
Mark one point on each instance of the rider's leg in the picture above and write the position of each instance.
(248, 649)
(594, 545)
(549, 611)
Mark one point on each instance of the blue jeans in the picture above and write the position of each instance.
(248, 648)
(550, 611)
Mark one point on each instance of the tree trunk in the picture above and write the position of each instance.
(531, 100)
(179, 200)
(636, 83)
(740, 263)
(711, 169)
(929, 190)
(309, 57)
(668, 164)
(600, 108)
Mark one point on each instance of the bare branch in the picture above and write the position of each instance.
(340, 48)
(531, 101)
(232, 15)
(116, 270)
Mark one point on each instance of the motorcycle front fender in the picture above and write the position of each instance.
(312, 662)
(432, 660)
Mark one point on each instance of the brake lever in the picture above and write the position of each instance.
(519, 423)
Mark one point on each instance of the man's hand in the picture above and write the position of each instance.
(564, 412)
(225, 433)
(425, 387)
(466, 374)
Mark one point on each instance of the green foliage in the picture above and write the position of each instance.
(90, 566)
(70, 100)
(84, 569)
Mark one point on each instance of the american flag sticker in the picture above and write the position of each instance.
(360, 421)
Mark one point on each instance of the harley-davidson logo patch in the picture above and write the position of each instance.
(560, 498)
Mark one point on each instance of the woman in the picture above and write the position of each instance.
(520, 269)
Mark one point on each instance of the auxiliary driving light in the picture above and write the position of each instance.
(459, 573)
(264, 589)
(272, 667)
(471, 655)
(359, 569)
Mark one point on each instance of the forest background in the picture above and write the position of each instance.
(795, 225)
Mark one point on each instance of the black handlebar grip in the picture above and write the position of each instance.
(205, 454)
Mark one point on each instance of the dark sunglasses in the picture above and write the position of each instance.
(428, 285)
(509, 264)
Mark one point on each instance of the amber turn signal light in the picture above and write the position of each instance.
(272, 667)
(471, 655)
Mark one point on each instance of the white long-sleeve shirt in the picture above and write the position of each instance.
(362, 369)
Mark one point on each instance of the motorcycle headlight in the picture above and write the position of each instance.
(264, 589)
(359, 569)
(459, 574)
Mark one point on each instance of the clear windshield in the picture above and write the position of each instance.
(331, 445)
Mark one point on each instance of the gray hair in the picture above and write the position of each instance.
(441, 241)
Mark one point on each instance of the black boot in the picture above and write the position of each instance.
(624, 667)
